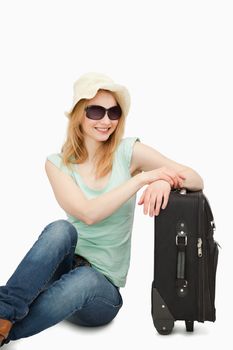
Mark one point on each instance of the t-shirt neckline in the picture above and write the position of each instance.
(92, 189)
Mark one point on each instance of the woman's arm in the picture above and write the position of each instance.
(107, 203)
(193, 181)
(145, 158)
(156, 195)
(70, 197)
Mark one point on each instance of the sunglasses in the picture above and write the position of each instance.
(97, 112)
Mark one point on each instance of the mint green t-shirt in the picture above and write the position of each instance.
(107, 244)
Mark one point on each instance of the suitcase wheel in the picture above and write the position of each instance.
(189, 326)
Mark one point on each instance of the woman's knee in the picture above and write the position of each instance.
(61, 230)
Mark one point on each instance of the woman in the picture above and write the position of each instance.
(77, 266)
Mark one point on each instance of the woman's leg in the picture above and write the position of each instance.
(83, 292)
(53, 249)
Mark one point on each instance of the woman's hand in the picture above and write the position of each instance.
(174, 178)
(155, 195)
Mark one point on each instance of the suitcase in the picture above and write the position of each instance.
(185, 262)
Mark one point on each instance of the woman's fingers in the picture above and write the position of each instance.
(141, 200)
(167, 178)
(180, 184)
(163, 173)
(150, 200)
(155, 196)
(165, 199)
(156, 201)
(182, 176)
(158, 204)
(153, 200)
(146, 202)
(175, 177)
(176, 181)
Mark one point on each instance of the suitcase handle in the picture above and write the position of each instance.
(181, 243)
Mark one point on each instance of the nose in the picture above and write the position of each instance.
(106, 119)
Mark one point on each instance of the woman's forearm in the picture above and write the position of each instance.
(100, 207)
(104, 205)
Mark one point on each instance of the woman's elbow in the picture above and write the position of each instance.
(201, 183)
(193, 180)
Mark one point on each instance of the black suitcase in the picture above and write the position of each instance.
(185, 262)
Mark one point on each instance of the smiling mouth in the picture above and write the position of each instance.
(104, 130)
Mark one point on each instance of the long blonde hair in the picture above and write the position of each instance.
(74, 151)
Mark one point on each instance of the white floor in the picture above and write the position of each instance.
(129, 330)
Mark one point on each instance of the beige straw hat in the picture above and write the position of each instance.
(88, 85)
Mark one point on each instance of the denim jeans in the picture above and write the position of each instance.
(47, 288)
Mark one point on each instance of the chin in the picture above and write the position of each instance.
(102, 138)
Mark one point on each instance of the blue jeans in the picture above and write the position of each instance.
(46, 288)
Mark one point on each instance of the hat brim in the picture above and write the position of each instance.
(122, 95)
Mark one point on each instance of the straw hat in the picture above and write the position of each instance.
(88, 85)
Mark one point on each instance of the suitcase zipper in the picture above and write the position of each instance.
(200, 248)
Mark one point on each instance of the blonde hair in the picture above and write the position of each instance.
(74, 151)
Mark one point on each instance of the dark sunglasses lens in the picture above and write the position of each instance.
(114, 112)
(95, 112)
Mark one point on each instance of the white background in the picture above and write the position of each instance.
(176, 58)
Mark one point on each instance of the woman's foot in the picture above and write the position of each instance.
(5, 327)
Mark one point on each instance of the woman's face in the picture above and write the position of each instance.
(100, 130)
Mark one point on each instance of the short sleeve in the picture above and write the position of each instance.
(56, 159)
(128, 144)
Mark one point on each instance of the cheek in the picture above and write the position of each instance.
(88, 124)
(114, 124)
